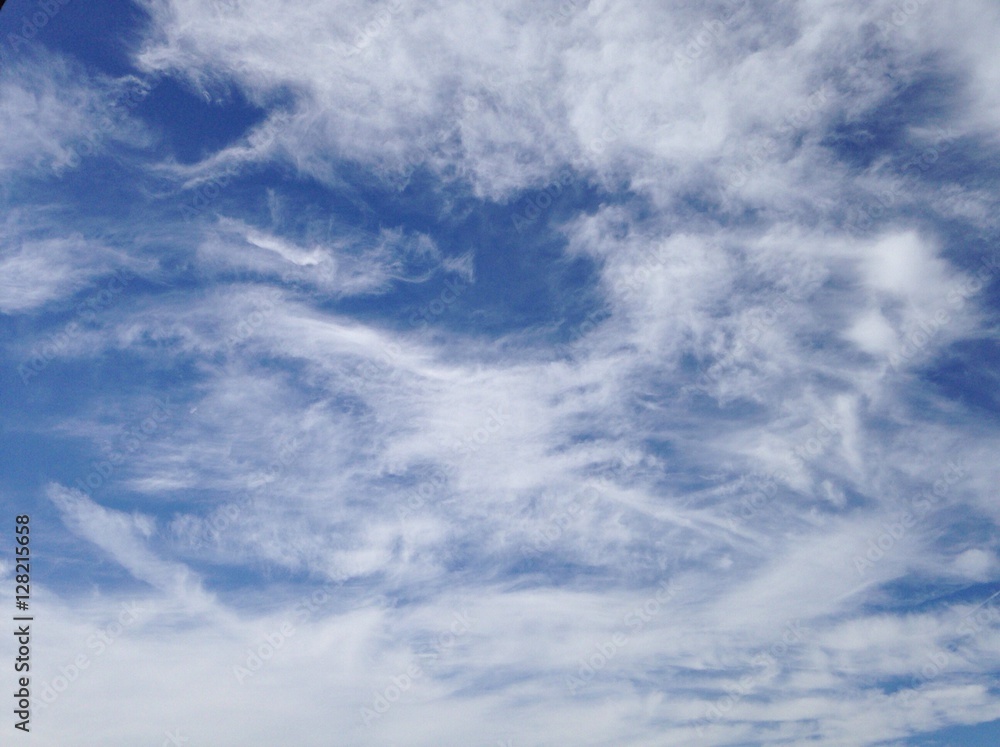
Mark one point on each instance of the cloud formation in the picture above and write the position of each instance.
(580, 372)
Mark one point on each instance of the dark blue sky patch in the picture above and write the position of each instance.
(967, 373)
(522, 279)
(971, 251)
(979, 735)
(192, 127)
(28, 459)
(917, 595)
(943, 158)
(527, 280)
(238, 579)
(100, 35)
(924, 101)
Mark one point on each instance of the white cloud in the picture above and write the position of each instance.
(872, 333)
(36, 272)
(57, 115)
(123, 537)
(724, 372)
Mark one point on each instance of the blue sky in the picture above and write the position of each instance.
(514, 374)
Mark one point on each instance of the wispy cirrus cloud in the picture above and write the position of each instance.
(734, 355)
